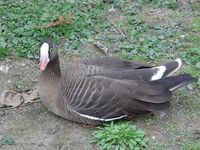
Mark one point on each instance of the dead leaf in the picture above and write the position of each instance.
(61, 20)
(12, 100)
(30, 96)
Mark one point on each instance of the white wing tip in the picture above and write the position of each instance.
(159, 73)
(179, 62)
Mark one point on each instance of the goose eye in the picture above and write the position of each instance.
(51, 49)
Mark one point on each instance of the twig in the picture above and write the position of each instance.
(102, 48)
(118, 29)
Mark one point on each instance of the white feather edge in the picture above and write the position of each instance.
(175, 87)
(160, 72)
(98, 119)
(179, 65)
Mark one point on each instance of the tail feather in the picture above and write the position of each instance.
(173, 82)
(172, 67)
(166, 70)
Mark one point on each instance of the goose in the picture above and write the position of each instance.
(102, 89)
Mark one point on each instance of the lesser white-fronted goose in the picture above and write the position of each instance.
(101, 89)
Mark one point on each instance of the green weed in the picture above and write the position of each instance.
(172, 4)
(119, 136)
(3, 50)
(192, 55)
(195, 6)
(191, 146)
(196, 24)
(4, 140)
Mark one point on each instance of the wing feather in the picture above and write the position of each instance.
(112, 62)
(108, 98)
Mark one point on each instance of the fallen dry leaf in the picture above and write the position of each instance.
(61, 20)
(12, 100)
(30, 96)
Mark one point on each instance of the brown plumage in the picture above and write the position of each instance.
(97, 90)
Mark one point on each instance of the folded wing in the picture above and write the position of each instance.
(109, 99)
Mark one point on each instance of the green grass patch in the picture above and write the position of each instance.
(4, 52)
(4, 140)
(196, 24)
(194, 72)
(22, 24)
(151, 42)
(192, 55)
(194, 39)
(171, 4)
(145, 40)
(119, 136)
(195, 6)
(191, 146)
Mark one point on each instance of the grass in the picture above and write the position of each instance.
(196, 24)
(89, 19)
(119, 136)
(23, 24)
(4, 140)
(172, 4)
(191, 146)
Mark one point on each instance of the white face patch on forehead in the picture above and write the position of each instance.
(44, 56)
(44, 50)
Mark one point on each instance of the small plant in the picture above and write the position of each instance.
(4, 140)
(192, 55)
(191, 146)
(198, 83)
(119, 136)
(196, 24)
(4, 52)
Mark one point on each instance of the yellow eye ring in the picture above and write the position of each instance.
(51, 49)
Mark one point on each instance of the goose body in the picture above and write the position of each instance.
(102, 89)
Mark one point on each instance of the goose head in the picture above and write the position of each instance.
(48, 53)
